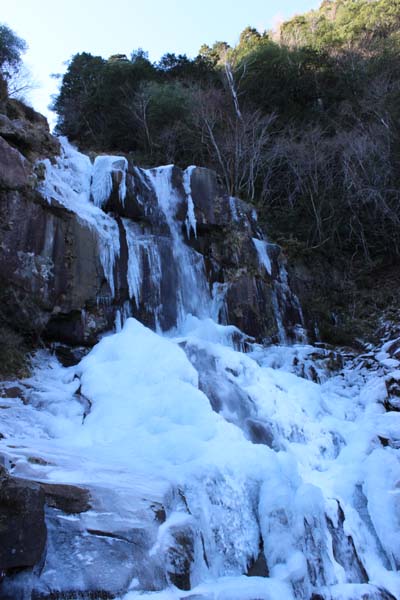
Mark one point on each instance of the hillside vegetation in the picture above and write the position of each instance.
(304, 123)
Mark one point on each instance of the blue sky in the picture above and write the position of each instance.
(55, 30)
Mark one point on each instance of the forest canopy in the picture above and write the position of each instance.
(303, 122)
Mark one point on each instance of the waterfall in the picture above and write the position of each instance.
(212, 473)
(193, 295)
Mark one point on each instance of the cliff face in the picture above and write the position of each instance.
(83, 244)
(75, 254)
(48, 260)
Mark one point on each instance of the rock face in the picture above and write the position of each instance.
(84, 244)
(48, 264)
(26, 130)
(14, 168)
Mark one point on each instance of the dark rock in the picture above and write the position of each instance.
(14, 168)
(28, 131)
(22, 524)
(159, 513)
(344, 550)
(49, 271)
(249, 307)
(70, 499)
(37, 460)
(259, 567)
(392, 404)
(52, 282)
(180, 557)
(384, 441)
(393, 387)
(260, 433)
(12, 392)
(206, 196)
(69, 356)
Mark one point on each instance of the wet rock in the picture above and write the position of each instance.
(93, 562)
(392, 404)
(207, 198)
(52, 281)
(223, 393)
(159, 513)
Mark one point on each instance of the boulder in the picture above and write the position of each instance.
(68, 498)
(27, 130)
(22, 523)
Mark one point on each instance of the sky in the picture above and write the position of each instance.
(55, 31)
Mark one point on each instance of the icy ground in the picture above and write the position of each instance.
(298, 464)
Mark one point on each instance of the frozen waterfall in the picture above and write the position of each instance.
(213, 473)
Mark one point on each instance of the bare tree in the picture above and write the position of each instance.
(237, 146)
(21, 83)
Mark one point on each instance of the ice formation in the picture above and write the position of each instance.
(251, 460)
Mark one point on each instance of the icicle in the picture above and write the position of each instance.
(134, 274)
(232, 206)
(190, 221)
(118, 322)
(101, 187)
(219, 311)
(262, 251)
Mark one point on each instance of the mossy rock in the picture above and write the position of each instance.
(14, 354)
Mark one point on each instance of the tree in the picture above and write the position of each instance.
(21, 83)
(236, 146)
(80, 98)
(215, 54)
(11, 48)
